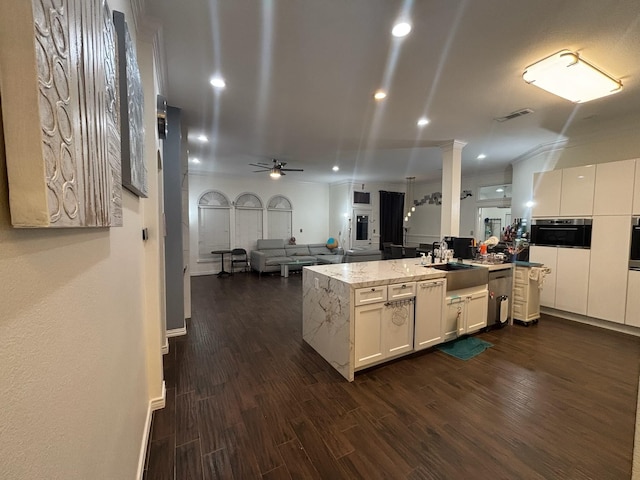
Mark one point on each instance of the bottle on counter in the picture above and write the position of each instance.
(429, 259)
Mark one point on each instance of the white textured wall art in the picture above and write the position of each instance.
(60, 110)
(134, 167)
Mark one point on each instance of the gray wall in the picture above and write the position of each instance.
(173, 254)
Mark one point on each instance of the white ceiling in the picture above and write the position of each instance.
(301, 74)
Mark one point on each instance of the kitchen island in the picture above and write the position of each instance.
(345, 304)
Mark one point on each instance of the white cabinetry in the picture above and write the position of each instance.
(546, 194)
(633, 299)
(369, 334)
(576, 198)
(548, 256)
(614, 188)
(465, 311)
(383, 329)
(609, 267)
(526, 296)
(572, 279)
(429, 329)
(636, 190)
(567, 286)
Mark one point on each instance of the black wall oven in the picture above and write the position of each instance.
(634, 255)
(561, 232)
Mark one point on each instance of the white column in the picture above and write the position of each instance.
(451, 179)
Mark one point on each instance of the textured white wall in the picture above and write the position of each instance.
(73, 361)
(310, 207)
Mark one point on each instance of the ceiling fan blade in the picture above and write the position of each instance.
(260, 166)
(260, 171)
(292, 169)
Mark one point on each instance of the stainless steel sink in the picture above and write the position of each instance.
(461, 276)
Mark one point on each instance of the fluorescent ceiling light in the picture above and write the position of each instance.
(565, 74)
(482, 156)
(401, 29)
(335, 168)
(423, 121)
(218, 82)
(379, 95)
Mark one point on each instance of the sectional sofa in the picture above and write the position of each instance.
(271, 253)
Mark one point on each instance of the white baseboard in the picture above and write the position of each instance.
(596, 322)
(176, 332)
(154, 404)
(165, 347)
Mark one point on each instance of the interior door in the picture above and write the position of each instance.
(361, 228)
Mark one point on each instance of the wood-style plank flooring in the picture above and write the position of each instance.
(247, 398)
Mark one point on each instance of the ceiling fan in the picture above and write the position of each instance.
(276, 169)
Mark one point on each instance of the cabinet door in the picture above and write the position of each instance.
(429, 314)
(577, 191)
(476, 311)
(614, 188)
(609, 267)
(572, 280)
(369, 335)
(548, 256)
(546, 193)
(633, 299)
(636, 190)
(398, 329)
(453, 317)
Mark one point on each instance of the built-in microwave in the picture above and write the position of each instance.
(561, 232)
(634, 254)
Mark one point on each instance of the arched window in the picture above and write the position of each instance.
(213, 224)
(249, 210)
(280, 212)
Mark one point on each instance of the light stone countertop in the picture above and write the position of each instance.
(367, 274)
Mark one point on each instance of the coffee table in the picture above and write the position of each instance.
(284, 266)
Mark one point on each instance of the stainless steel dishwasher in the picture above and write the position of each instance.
(499, 310)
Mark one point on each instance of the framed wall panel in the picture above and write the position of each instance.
(60, 113)
(134, 168)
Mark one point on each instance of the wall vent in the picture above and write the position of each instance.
(516, 114)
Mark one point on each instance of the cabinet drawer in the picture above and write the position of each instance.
(364, 296)
(519, 310)
(402, 290)
(520, 292)
(521, 275)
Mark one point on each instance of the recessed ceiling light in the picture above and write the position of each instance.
(529, 204)
(203, 138)
(195, 160)
(335, 168)
(379, 95)
(482, 156)
(218, 82)
(401, 29)
(423, 121)
(499, 189)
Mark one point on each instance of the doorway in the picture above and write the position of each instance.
(360, 228)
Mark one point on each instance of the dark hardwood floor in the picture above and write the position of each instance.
(247, 398)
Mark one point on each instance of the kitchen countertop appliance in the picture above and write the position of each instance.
(634, 254)
(499, 310)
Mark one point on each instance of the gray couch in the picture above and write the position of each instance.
(271, 253)
(362, 254)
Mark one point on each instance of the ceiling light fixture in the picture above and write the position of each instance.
(203, 138)
(218, 82)
(565, 74)
(401, 29)
(499, 190)
(195, 160)
(335, 168)
(380, 95)
(275, 173)
(423, 121)
(482, 156)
